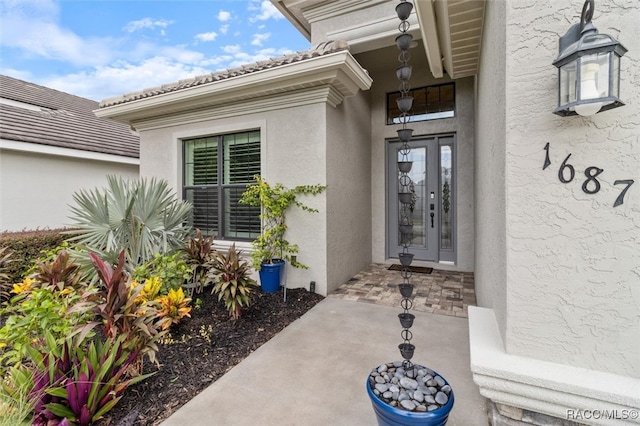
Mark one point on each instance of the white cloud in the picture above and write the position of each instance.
(266, 11)
(146, 23)
(224, 16)
(258, 39)
(231, 48)
(224, 28)
(121, 78)
(206, 36)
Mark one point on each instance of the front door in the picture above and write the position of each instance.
(432, 204)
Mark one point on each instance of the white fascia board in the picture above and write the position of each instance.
(542, 386)
(429, 31)
(35, 148)
(329, 9)
(338, 69)
(441, 9)
(375, 34)
(305, 30)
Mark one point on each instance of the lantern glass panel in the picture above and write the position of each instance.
(568, 83)
(616, 76)
(594, 76)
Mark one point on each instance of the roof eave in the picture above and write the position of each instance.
(338, 69)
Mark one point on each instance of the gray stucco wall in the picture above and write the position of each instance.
(349, 189)
(293, 153)
(490, 183)
(572, 274)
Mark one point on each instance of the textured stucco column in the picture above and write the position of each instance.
(558, 269)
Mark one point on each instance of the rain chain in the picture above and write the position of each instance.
(406, 188)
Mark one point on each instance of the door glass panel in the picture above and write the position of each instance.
(446, 204)
(417, 207)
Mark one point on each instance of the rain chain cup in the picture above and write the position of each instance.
(401, 392)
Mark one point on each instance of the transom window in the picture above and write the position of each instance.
(429, 103)
(217, 170)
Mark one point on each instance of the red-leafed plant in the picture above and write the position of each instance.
(230, 275)
(117, 311)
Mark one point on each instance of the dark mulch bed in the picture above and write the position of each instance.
(206, 346)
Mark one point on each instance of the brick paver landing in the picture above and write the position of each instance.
(441, 292)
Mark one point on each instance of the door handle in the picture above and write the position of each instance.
(432, 207)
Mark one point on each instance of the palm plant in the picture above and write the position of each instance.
(143, 217)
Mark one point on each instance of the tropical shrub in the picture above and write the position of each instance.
(172, 270)
(15, 406)
(42, 303)
(26, 247)
(32, 313)
(274, 202)
(60, 273)
(116, 311)
(143, 217)
(5, 283)
(231, 279)
(80, 381)
(174, 307)
(199, 252)
(149, 291)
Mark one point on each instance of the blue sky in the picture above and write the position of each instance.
(102, 48)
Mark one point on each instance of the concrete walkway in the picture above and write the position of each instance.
(314, 371)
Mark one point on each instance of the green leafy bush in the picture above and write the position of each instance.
(26, 248)
(42, 304)
(5, 284)
(172, 270)
(30, 315)
(275, 201)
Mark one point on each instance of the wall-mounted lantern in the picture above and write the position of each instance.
(589, 68)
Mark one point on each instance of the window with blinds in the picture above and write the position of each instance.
(217, 170)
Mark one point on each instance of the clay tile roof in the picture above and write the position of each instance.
(59, 119)
(318, 50)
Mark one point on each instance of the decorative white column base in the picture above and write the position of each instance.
(577, 394)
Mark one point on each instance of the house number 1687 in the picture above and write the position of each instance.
(591, 185)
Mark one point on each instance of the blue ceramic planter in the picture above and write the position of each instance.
(391, 416)
(270, 274)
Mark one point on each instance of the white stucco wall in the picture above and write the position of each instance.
(349, 189)
(37, 189)
(381, 66)
(572, 275)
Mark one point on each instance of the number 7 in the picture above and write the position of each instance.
(620, 199)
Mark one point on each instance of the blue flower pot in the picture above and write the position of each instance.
(392, 416)
(270, 274)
